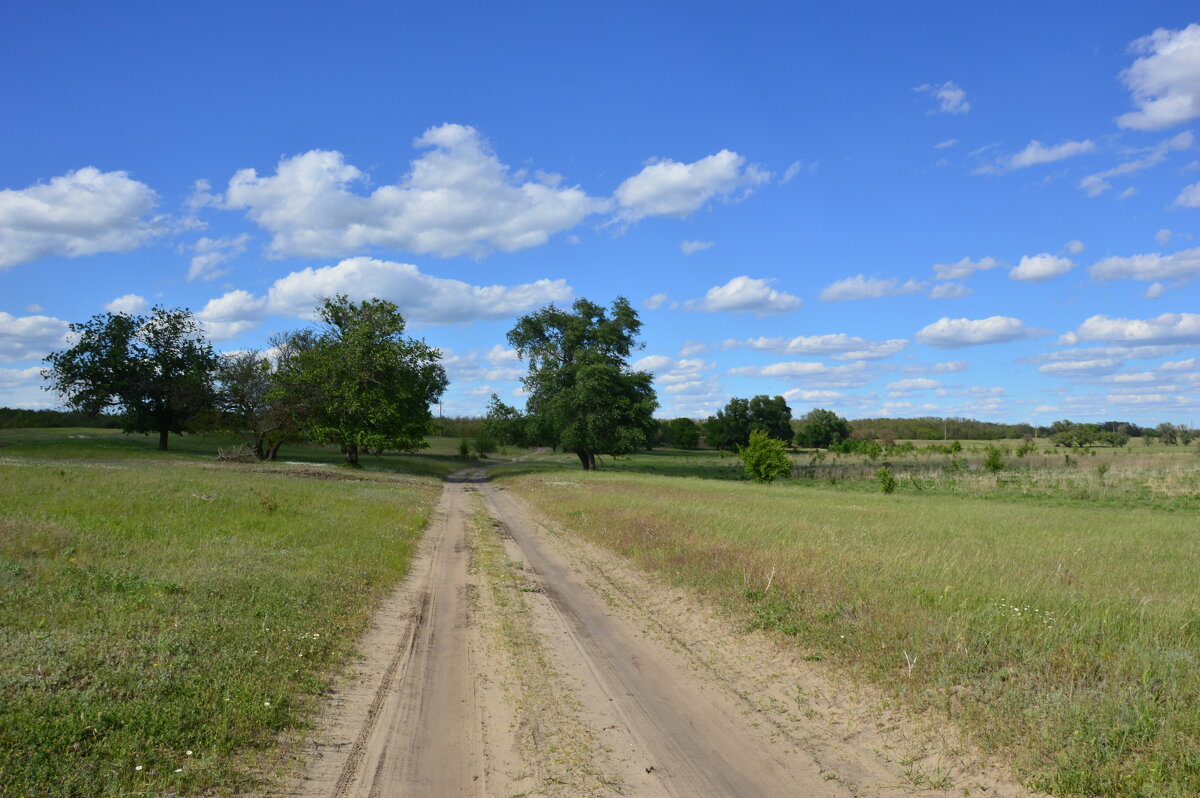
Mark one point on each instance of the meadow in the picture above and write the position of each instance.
(1049, 609)
(168, 622)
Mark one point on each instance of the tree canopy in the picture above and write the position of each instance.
(157, 371)
(730, 428)
(581, 393)
(358, 381)
(820, 429)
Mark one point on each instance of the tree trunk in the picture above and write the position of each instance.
(273, 452)
(352, 454)
(584, 460)
(591, 456)
(258, 446)
(162, 439)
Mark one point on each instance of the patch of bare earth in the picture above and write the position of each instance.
(516, 660)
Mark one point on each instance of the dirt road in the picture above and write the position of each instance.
(514, 661)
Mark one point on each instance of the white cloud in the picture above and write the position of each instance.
(1181, 265)
(1163, 237)
(457, 199)
(820, 375)
(913, 384)
(496, 364)
(80, 213)
(690, 247)
(1096, 184)
(211, 253)
(655, 302)
(691, 348)
(813, 397)
(1189, 197)
(30, 337)
(670, 188)
(1168, 328)
(1154, 291)
(421, 298)
(951, 99)
(129, 303)
(945, 367)
(1039, 268)
(1082, 368)
(863, 287)
(964, 268)
(1191, 364)
(1037, 153)
(949, 291)
(1075, 246)
(1164, 80)
(840, 345)
(232, 314)
(34, 307)
(24, 388)
(941, 145)
(947, 333)
(745, 295)
(793, 169)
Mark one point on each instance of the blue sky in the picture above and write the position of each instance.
(881, 208)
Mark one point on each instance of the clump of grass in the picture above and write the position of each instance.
(1066, 638)
(161, 627)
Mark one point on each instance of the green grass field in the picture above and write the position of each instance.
(167, 621)
(1063, 636)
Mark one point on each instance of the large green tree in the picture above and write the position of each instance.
(582, 395)
(730, 428)
(358, 381)
(820, 429)
(157, 371)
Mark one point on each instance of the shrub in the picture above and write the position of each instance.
(994, 461)
(886, 479)
(464, 449)
(765, 458)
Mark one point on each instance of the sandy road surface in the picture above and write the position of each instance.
(515, 662)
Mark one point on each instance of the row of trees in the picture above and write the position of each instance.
(355, 380)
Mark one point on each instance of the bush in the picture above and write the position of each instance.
(994, 461)
(765, 458)
(483, 445)
(886, 479)
(464, 449)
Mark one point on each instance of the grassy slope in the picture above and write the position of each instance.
(1067, 637)
(154, 604)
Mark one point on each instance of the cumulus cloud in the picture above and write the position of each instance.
(945, 367)
(951, 99)
(1074, 246)
(457, 199)
(1036, 153)
(1163, 237)
(862, 287)
(1189, 197)
(964, 268)
(947, 333)
(422, 298)
(1096, 184)
(692, 348)
(1039, 268)
(211, 253)
(814, 397)
(949, 291)
(670, 188)
(234, 313)
(913, 384)
(1154, 290)
(816, 374)
(839, 345)
(1168, 328)
(690, 247)
(1164, 80)
(655, 302)
(129, 303)
(30, 337)
(494, 364)
(24, 388)
(745, 295)
(1182, 265)
(80, 213)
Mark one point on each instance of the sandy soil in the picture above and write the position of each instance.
(516, 661)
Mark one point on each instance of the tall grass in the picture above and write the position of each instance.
(162, 622)
(1067, 638)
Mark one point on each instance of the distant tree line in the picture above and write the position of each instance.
(18, 418)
